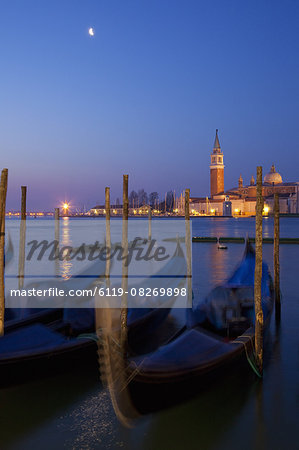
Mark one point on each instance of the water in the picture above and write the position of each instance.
(73, 411)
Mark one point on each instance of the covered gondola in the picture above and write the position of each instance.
(71, 342)
(218, 336)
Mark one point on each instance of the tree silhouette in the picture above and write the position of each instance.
(169, 201)
(142, 197)
(133, 199)
(154, 199)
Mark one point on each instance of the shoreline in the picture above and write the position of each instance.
(162, 216)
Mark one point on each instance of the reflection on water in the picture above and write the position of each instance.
(66, 264)
(218, 263)
(211, 266)
(267, 228)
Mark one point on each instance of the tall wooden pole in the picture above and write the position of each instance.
(56, 237)
(187, 201)
(22, 237)
(124, 306)
(108, 236)
(173, 201)
(188, 248)
(23, 202)
(276, 256)
(113, 339)
(56, 214)
(103, 314)
(150, 224)
(3, 191)
(259, 319)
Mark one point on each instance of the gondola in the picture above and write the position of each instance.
(47, 309)
(219, 335)
(72, 342)
(15, 317)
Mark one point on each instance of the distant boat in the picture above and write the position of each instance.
(222, 247)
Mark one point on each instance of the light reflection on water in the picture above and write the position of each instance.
(73, 411)
(66, 264)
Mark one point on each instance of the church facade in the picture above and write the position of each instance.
(241, 200)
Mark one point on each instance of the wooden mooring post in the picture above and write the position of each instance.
(3, 191)
(259, 319)
(150, 224)
(57, 238)
(187, 204)
(22, 237)
(108, 236)
(124, 303)
(276, 257)
(102, 312)
(188, 247)
(56, 214)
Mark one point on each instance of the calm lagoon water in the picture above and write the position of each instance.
(73, 411)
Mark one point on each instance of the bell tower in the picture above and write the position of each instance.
(216, 168)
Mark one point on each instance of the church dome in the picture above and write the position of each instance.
(272, 177)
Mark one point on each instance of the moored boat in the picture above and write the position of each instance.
(71, 341)
(219, 335)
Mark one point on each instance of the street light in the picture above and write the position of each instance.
(65, 208)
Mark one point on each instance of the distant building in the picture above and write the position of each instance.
(227, 208)
(272, 184)
(216, 168)
(241, 200)
(99, 210)
(117, 210)
(237, 201)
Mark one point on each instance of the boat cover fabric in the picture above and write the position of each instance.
(185, 353)
(83, 280)
(31, 338)
(80, 319)
(244, 274)
(21, 313)
(233, 299)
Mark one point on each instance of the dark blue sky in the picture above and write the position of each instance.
(145, 94)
